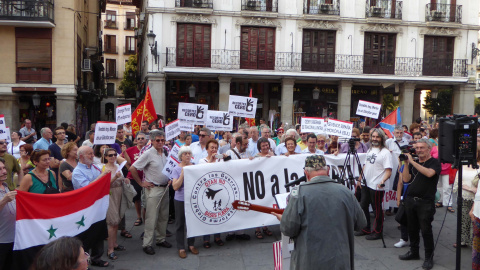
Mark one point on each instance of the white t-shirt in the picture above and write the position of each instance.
(376, 163)
(198, 152)
(15, 150)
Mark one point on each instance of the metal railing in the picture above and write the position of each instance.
(112, 49)
(27, 10)
(340, 63)
(443, 13)
(194, 3)
(260, 5)
(323, 8)
(386, 9)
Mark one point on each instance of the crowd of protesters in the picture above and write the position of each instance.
(58, 161)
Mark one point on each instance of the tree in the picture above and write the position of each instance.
(389, 103)
(441, 105)
(128, 85)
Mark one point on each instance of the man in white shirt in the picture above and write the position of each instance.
(199, 150)
(394, 144)
(239, 151)
(252, 149)
(282, 149)
(311, 145)
(266, 133)
(377, 171)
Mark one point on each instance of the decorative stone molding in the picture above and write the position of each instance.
(440, 31)
(325, 25)
(380, 27)
(258, 22)
(188, 18)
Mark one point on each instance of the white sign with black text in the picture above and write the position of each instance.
(219, 120)
(123, 114)
(185, 126)
(172, 130)
(339, 128)
(313, 124)
(368, 109)
(105, 133)
(242, 106)
(192, 113)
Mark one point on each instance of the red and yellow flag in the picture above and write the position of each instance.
(250, 121)
(145, 111)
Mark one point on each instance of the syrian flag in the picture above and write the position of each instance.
(42, 218)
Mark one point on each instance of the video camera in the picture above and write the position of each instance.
(407, 149)
(352, 142)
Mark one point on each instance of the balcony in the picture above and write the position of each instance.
(439, 14)
(322, 10)
(108, 24)
(28, 13)
(259, 8)
(129, 51)
(340, 63)
(128, 26)
(383, 11)
(194, 6)
(111, 49)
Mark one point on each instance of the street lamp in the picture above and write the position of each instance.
(36, 100)
(191, 91)
(316, 92)
(153, 44)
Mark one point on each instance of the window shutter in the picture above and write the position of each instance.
(34, 53)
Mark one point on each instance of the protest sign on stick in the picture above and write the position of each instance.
(172, 130)
(339, 128)
(313, 124)
(123, 114)
(242, 106)
(218, 120)
(105, 133)
(4, 134)
(192, 113)
(368, 109)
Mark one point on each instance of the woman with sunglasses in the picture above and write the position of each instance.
(40, 180)
(116, 190)
(277, 139)
(321, 142)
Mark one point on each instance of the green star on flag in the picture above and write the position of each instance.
(81, 222)
(51, 231)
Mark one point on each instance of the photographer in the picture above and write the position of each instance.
(419, 201)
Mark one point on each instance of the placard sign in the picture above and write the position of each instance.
(339, 128)
(172, 130)
(105, 133)
(313, 124)
(170, 166)
(242, 106)
(368, 109)
(219, 120)
(3, 128)
(192, 113)
(123, 114)
(185, 126)
(7, 131)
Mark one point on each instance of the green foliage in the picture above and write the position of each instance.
(128, 85)
(441, 105)
(389, 102)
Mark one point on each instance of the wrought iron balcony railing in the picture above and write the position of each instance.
(260, 5)
(322, 7)
(339, 63)
(27, 10)
(386, 9)
(443, 13)
(194, 3)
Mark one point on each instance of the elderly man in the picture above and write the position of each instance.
(11, 165)
(156, 184)
(310, 207)
(282, 149)
(422, 176)
(311, 145)
(84, 174)
(377, 171)
(45, 141)
(394, 144)
(198, 148)
(252, 149)
(29, 135)
(267, 133)
(302, 142)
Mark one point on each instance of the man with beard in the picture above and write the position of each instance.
(377, 171)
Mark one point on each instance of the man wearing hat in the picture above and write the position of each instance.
(307, 219)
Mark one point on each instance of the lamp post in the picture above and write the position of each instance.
(36, 100)
(316, 93)
(153, 45)
(191, 91)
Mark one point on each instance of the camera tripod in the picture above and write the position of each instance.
(350, 181)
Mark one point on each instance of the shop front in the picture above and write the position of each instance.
(366, 93)
(314, 101)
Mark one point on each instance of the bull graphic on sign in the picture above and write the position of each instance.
(226, 119)
(249, 105)
(200, 112)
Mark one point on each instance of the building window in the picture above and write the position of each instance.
(130, 23)
(257, 49)
(110, 89)
(193, 45)
(111, 21)
(110, 44)
(33, 55)
(438, 56)
(379, 53)
(111, 71)
(130, 45)
(318, 52)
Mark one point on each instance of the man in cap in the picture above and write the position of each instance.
(311, 206)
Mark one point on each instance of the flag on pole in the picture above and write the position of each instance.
(388, 123)
(42, 218)
(137, 118)
(145, 111)
(250, 121)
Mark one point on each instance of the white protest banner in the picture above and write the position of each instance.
(185, 126)
(192, 113)
(211, 188)
(174, 151)
(242, 106)
(172, 130)
(170, 166)
(4, 134)
(123, 114)
(218, 120)
(7, 131)
(105, 133)
(368, 109)
(2, 122)
(339, 128)
(313, 124)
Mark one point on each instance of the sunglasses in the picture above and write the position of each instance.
(140, 138)
(112, 155)
(2, 143)
(321, 141)
(160, 140)
(202, 135)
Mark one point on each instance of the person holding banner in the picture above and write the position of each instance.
(281, 149)
(40, 180)
(377, 171)
(291, 145)
(252, 149)
(320, 241)
(311, 143)
(321, 142)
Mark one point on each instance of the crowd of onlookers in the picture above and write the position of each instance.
(57, 160)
